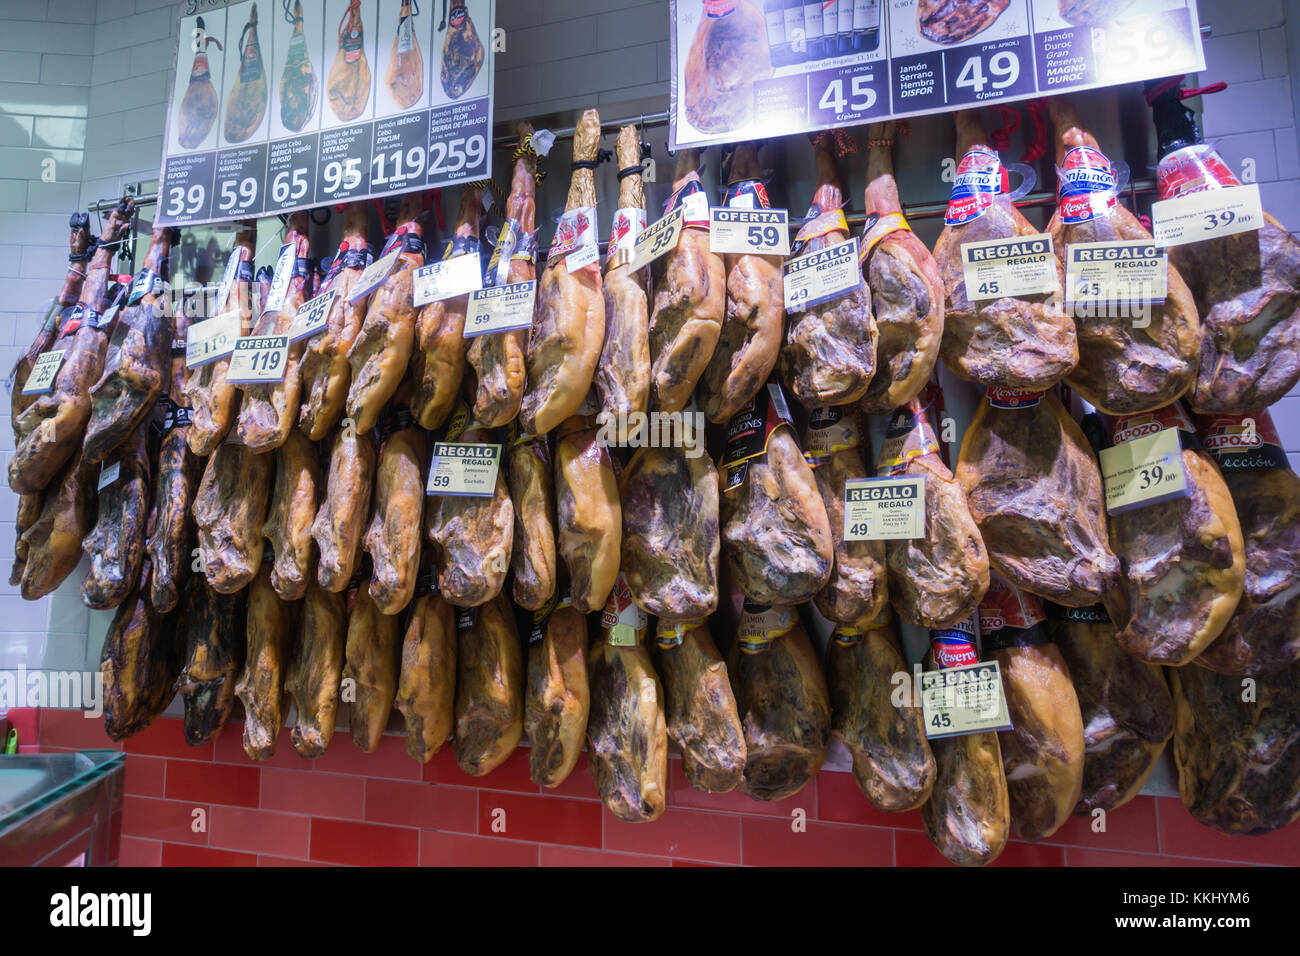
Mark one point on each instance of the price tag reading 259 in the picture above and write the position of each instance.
(259, 360)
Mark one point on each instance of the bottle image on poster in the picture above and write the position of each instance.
(349, 77)
(299, 89)
(246, 102)
(462, 50)
(195, 121)
(729, 51)
(402, 62)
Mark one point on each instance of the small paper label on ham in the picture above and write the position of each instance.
(44, 371)
(964, 700)
(373, 276)
(464, 469)
(459, 275)
(1210, 214)
(259, 360)
(312, 316)
(108, 474)
(756, 231)
(1143, 471)
(1102, 274)
(212, 339)
(500, 309)
(821, 276)
(884, 509)
(279, 278)
(1001, 268)
(979, 178)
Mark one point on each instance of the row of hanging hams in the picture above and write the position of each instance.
(323, 573)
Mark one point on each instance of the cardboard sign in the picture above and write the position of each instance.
(44, 371)
(968, 699)
(259, 360)
(1101, 273)
(1144, 471)
(1210, 214)
(756, 231)
(657, 239)
(464, 469)
(312, 316)
(500, 308)
(374, 275)
(212, 339)
(459, 275)
(884, 509)
(995, 268)
(821, 276)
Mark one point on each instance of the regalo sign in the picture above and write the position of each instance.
(750, 69)
(289, 104)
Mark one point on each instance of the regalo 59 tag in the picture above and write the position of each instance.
(465, 469)
(884, 509)
(459, 275)
(373, 276)
(996, 268)
(821, 275)
(259, 360)
(500, 308)
(44, 371)
(212, 339)
(763, 231)
(657, 239)
(1144, 471)
(1206, 215)
(312, 316)
(964, 700)
(1107, 272)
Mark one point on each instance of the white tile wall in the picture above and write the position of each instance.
(84, 82)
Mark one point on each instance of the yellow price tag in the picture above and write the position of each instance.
(1144, 471)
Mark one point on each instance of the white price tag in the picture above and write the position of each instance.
(228, 278)
(821, 275)
(464, 469)
(259, 360)
(500, 308)
(312, 316)
(740, 231)
(581, 257)
(279, 279)
(374, 275)
(657, 239)
(459, 275)
(968, 699)
(1144, 471)
(108, 473)
(695, 209)
(995, 268)
(1209, 214)
(212, 338)
(884, 509)
(1102, 273)
(44, 371)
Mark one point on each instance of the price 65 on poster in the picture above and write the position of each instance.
(333, 101)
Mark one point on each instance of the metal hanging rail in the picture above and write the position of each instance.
(509, 140)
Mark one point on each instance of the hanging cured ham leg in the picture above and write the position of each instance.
(829, 356)
(115, 546)
(426, 685)
(344, 507)
(313, 675)
(325, 372)
(393, 537)
(690, 296)
(1131, 358)
(588, 514)
(213, 401)
(1014, 341)
(489, 687)
(557, 698)
(498, 358)
(269, 411)
(229, 509)
(139, 663)
(292, 510)
(531, 477)
(623, 374)
(750, 339)
(907, 294)
(49, 431)
(438, 362)
(372, 660)
(214, 652)
(382, 349)
(569, 318)
(261, 685)
(54, 538)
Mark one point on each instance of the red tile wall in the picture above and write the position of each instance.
(211, 806)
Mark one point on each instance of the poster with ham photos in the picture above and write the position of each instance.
(750, 69)
(289, 104)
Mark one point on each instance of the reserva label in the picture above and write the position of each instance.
(1192, 169)
(954, 646)
(1001, 397)
(1085, 185)
(978, 179)
(629, 222)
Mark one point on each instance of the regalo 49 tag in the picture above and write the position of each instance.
(259, 360)
(657, 239)
(212, 339)
(1144, 471)
(500, 308)
(312, 316)
(459, 275)
(465, 469)
(44, 371)
(740, 231)
(996, 268)
(964, 700)
(884, 509)
(1107, 272)
(821, 275)
(1206, 215)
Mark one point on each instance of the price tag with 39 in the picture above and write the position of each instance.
(312, 316)
(500, 308)
(464, 469)
(1211, 214)
(968, 699)
(821, 275)
(259, 360)
(740, 231)
(657, 239)
(459, 275)
(884, 509)
(1144, 471)
(212, 339)
(44, 371)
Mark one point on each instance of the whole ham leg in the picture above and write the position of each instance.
(557, 697)
(54, 537)
(530, 475)
(214, 627)
(344, 507)
(371, 664)
(261, 684)
(489, 687)
(393, 537)
(569, 317)
(315, 670)
(588, 515)
(115, 546)
(229, 510)
(498, 358)
(291, 513)
(139, 663)
(426, 686)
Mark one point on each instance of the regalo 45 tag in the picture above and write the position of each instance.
(964, 700)
(997, 268)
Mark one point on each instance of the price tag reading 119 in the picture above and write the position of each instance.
(259, 360)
